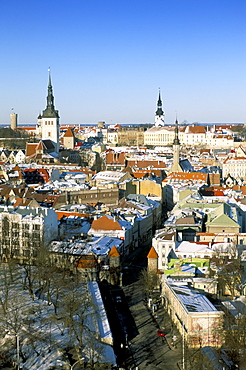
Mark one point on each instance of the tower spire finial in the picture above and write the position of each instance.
(49, 77)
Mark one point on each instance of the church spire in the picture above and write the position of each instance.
(176, 148)
(176, 133)
(159, 114)
(159, 111)
(50, 111)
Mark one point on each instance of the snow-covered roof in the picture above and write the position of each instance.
(100, 246)
(186, 246)
(192, 300)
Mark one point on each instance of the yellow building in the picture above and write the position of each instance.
(198, 321)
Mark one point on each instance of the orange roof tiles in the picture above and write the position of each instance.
(152, 253)
(69, 133)
(61, 214)
(31, 149)
(184, 176)
(114, 252)
(196, 129)
(106, 223)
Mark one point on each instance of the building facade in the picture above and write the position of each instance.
(24, 231)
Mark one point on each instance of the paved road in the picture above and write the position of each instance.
(147, 350)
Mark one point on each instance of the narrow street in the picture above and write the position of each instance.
(146, 349)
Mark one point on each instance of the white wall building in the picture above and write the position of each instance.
(24, 231)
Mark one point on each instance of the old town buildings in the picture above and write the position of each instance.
(92, 195)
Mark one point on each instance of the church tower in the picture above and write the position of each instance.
(159, 114)
(176, 148)
(48, 126)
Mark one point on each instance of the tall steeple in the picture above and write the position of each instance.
(159, 114)
(48, 126)
(176, 148)
(50, 111)
(176, 133)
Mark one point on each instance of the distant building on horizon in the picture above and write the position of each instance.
(13, 121)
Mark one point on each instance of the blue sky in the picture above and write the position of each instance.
(108, 59)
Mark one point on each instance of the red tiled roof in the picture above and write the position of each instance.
(69, 133)
(114, 252)
(61, 214)
(115, 158)
(31, 149)
(184, 176)
(196, 129)
(106, 223)
(152, 253)
(146, 163)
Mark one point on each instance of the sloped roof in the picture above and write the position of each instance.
(152, 253)
(184, 176)
(40, 146)
(68, 133)
(235, 159)
(106, 223)
(223, 220)
(31, 149)
(188, 220)
(114, 252)
(196, 129)
(61, 214)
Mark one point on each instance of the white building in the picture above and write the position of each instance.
(24, 231)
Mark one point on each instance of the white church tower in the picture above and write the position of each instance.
(48, 126)
(159, 114)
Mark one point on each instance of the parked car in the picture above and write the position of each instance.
(160, 333)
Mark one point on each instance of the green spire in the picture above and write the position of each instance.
(50, 111)
(159, 111)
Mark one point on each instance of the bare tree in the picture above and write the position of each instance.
(150, 281)
(230, 277)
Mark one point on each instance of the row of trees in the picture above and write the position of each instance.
(43, 309)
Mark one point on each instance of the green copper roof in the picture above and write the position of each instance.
(223, 220)
(159, 111)
(49, 111)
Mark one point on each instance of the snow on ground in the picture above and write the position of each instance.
(43, 335)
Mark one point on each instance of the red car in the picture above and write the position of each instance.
(160, 333)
